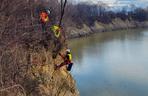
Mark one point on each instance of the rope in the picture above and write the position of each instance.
(63, 5)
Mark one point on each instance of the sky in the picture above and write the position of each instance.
(113, 3)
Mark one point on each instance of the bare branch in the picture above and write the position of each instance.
(12, 87)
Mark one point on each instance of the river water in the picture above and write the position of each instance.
(112, 63)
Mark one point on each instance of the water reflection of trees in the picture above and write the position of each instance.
(95, 44)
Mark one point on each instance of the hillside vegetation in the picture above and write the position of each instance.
(26, 53)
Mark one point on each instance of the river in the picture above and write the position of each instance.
(111, 63)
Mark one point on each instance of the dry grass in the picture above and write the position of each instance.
(21, 37)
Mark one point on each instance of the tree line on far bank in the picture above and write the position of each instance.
(88, 14)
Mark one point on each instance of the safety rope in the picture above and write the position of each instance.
(63, 5)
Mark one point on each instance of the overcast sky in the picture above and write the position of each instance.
(118, 2)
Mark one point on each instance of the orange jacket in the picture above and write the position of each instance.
(44, 17)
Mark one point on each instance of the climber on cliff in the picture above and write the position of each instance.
(56, 30)
(67, 60)
(44, 18)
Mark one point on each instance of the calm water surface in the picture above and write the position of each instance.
(112, 63)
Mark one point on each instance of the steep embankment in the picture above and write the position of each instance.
(26, 53)
(30, 72)
(117, 24)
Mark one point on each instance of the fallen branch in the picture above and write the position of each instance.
(11, 87)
